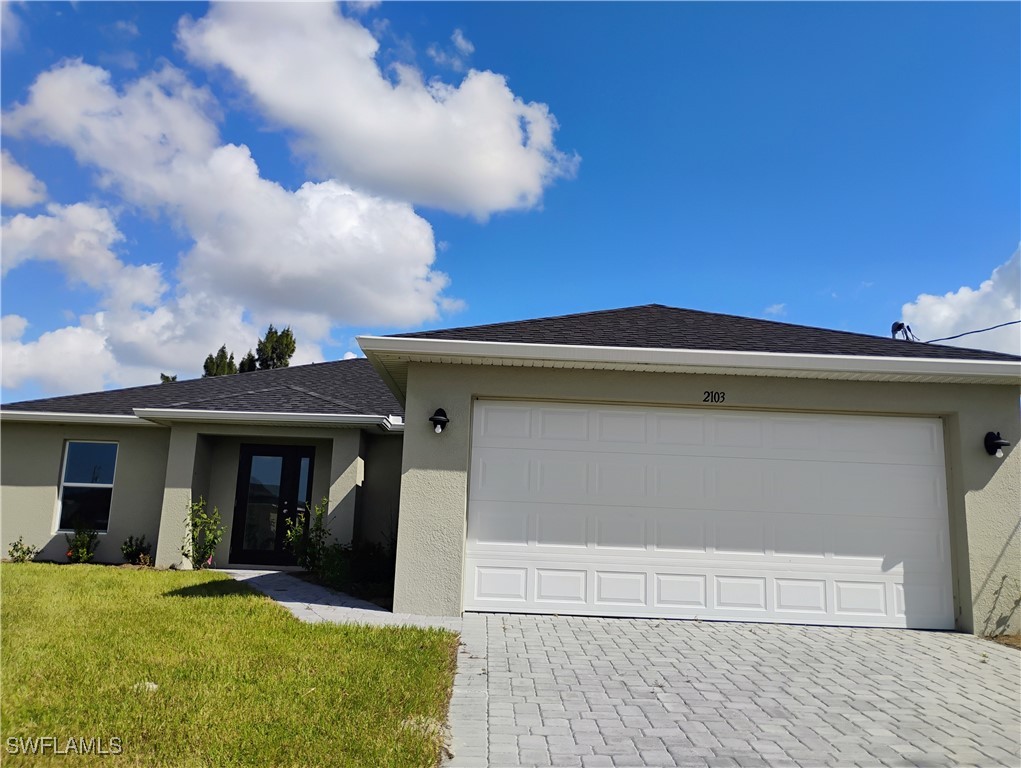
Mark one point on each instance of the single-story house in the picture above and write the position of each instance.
(646, 462)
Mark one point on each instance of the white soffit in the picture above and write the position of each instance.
(46, 417)
(169, 415)
(391, 355)
(161, 417)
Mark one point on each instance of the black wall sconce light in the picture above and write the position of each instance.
(995, 444)
(439, 420)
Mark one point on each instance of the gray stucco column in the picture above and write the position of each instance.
(346, 475)
(177, 497)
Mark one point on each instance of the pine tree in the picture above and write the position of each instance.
(222, 364)
(166, 379)
(248, 363)
(275, 349)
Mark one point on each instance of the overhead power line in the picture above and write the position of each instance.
(980, 330)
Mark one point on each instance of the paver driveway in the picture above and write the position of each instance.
(600, 692)
(571, 691)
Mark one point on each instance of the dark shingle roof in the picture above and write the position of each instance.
(342, 387)
(660, 327)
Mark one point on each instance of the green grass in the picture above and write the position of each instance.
(240, 681)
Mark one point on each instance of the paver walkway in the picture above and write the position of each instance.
(573, 691)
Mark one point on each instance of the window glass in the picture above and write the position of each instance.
(83, 506)
(90, 463)
(86, 491)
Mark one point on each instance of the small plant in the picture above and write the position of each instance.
(20, 552)
(309, 542)
(81, 545)
(204, 534)
(137, 551)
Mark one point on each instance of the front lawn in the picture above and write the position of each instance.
(194, 669)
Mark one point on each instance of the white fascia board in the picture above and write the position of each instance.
(761, 363)
(45, 417)
(165, 415)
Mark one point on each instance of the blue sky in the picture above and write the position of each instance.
(177, 176)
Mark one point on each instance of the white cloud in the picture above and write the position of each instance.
(472, 148)
(997, 300)
(349, 355)
(18, 187)
(81, 238)
(126, 28)
(456, 59)
(66, 360)
(323, 251)
(12, 327)
(10, 26)
(324, 254)
(776, 310)
(463, 44)
(121, 59)
(361, 7)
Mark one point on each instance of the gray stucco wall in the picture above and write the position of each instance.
(222, 488)
(31, 457)
(159, 471)
(203, 461)
(381, 491)
(984, 493)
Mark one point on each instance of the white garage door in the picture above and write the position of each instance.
(714, 514)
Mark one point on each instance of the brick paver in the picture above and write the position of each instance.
(575, 691)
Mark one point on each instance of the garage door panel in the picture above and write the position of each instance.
(626, 531)
(630, 511)
(800, 596)
(575, 587)
(673, 429)
(498, 422)
(561, 586)
(615, 427)
(556, 424)
(680, 593)
(624, 479)
(621, 588)
(681, 533)
(561, 527)
(739, 534)
(500, 524)
(502, 474)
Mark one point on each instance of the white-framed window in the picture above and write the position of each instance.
(86, 485)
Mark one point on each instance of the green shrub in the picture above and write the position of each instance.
(20, 552)
(204, 534)
(354, 568)
(309, 542)
(81, 545)
(137, 551)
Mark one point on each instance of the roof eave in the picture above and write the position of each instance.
(95, 419)
(390, 356)
(168, 416)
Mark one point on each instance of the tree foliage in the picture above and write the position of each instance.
(166, 378)
(248, 363)
(220, 364)
(275, 349)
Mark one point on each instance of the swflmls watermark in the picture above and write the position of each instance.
(56, 745)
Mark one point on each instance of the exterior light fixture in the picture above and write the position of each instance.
(439, 420)
(995, 444)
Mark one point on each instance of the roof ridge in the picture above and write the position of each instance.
(224, 395)
(588, 313)
(705, 313)
(319, 395)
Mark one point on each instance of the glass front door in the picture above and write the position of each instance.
(274, 486)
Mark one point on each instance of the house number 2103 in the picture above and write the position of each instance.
(712, 396)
